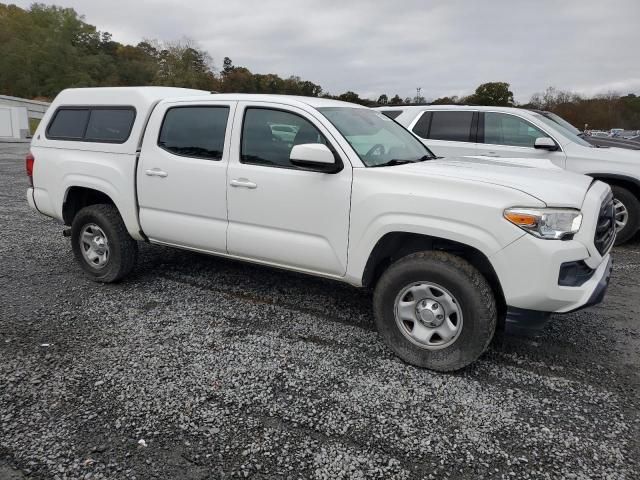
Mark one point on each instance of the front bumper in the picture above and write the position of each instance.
(526, 322)
(597, 296)
(529, 271)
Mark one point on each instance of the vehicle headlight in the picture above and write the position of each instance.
(548, 223)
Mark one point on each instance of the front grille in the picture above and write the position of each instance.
(606, 227)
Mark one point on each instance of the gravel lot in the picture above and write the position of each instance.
(198, 367)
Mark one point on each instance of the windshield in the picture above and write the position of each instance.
(377, 139)
(562, 122)
(555, 123)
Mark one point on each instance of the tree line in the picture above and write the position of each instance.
(45, 49)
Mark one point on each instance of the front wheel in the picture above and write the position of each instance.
(435, 310)
(627, 214)
(101, 243)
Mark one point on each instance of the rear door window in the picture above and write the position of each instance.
(195, 131)
(450, 125)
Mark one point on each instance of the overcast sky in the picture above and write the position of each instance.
(447, 47)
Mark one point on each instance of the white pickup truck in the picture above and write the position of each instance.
(450, 248)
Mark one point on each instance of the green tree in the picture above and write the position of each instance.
(309, 89)
(383, 99)
(135, 65)
(45, 49)
(350, 96)
(182, 64)
(446, 101)
(239, 80)
(492, 94)
(396, 100)
(227, 65)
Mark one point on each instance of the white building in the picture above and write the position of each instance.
(15, 114)
(14, 123)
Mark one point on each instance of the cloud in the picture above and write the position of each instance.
(390, 47)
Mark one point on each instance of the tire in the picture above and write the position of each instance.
(104, 222)
(459, 280)
(632, 206)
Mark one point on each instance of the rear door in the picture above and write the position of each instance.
(510, 136)
(448, 133)
(182, 174)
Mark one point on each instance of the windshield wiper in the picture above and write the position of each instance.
(393, 162)
(397, 161)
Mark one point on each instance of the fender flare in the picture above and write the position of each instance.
(614, 176)
(107, 189)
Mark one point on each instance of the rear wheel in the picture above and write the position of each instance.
(627, 214)
(435, 310)
(101, 243)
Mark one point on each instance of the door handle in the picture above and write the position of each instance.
(156, 172)
(242, 182)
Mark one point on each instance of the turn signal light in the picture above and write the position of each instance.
(521, 219)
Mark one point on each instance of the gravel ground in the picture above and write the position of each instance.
(198, 367)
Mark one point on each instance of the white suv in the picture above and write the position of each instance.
(515, 135)
(450, 248)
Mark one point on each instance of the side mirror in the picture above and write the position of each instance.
(314, 156)
(546, 143)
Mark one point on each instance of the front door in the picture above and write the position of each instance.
(509, 136)
(182, 175)
(279, 213)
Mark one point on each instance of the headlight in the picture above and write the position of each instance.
(549, 223)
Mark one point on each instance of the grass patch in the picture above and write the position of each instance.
(33, 124)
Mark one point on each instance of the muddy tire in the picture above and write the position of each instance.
(101, 243)
(435, 310)
(627, 208)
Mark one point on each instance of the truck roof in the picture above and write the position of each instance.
(147, 96)
(144, 99)
(420, 108)
(138, 96)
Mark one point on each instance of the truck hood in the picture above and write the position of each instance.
(551, 185)
(622, 156)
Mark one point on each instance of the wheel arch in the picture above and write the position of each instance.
(625, 181)
(77, 197)
(81, 191)
(395, 245)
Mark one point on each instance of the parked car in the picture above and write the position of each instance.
(594, 137)
(286, 133)
(599, 134)
(448, 247)
(501, 132)
(630, 134)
